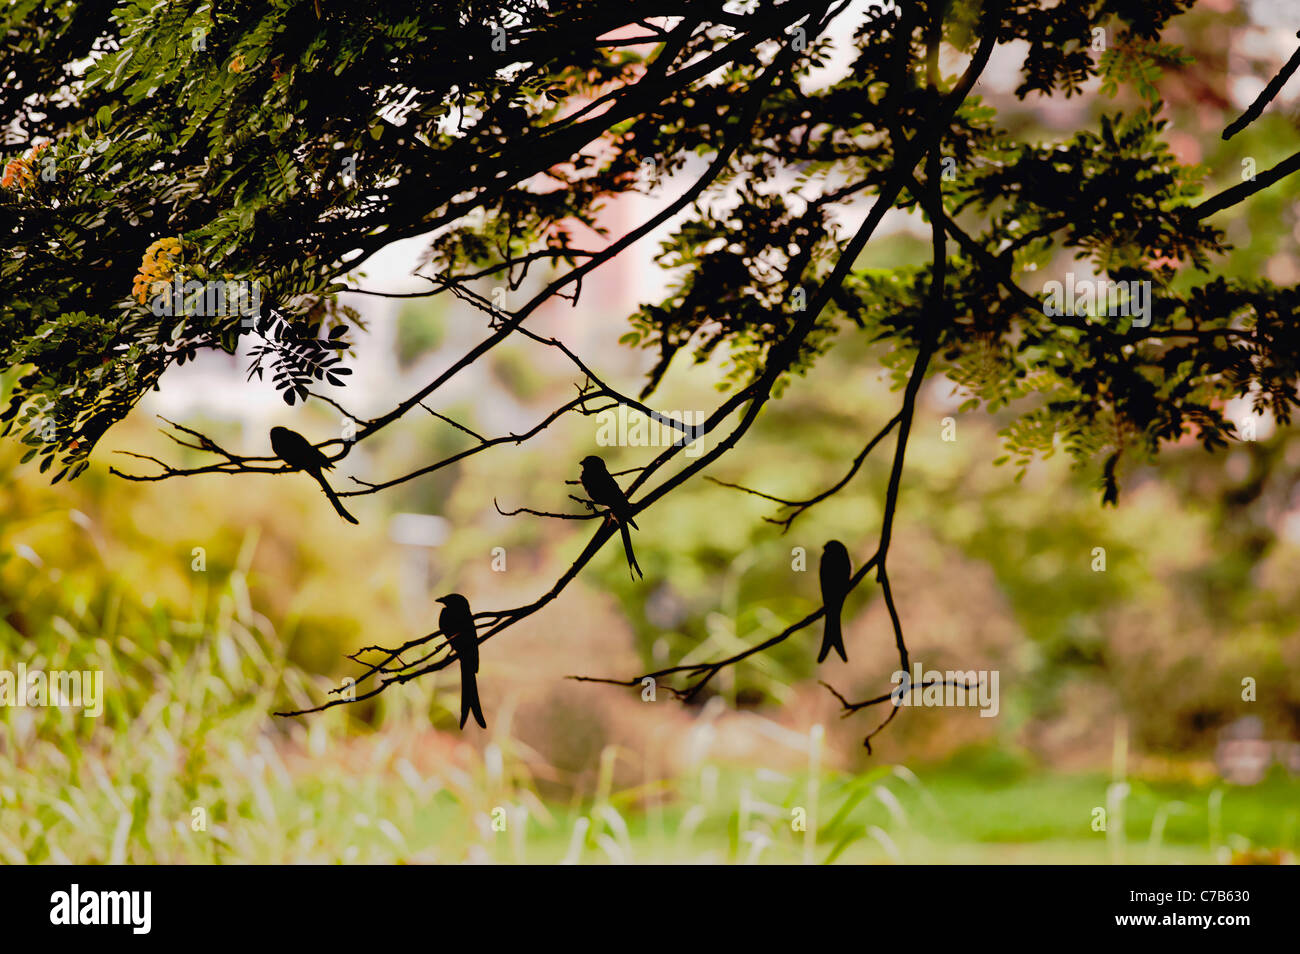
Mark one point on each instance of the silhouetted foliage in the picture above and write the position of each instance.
(281, 144)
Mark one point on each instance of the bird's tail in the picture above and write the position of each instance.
(627, 546)
(329, 492)
(832, 636)
(469, 699)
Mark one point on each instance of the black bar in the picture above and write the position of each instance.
(333, 905)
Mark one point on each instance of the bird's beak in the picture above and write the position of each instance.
(442, 600)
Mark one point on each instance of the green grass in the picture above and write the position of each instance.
(186, 765)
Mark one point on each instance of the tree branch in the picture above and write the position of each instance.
(799, 507)
(1264, 98)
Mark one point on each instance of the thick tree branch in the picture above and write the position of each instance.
(932, 317)
(1267, 96)
(1239, 193)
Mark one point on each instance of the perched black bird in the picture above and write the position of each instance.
(604, 490)
(457, 623)
(835, 571)
(296, 451)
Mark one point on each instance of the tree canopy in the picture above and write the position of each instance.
(278, 145)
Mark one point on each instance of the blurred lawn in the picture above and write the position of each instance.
(186, 765)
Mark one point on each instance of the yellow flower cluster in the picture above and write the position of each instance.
(158, 266)
(18, 172)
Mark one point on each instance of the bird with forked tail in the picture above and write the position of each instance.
(835, 572)
(603, 489)
(456, 621)
(299, 453)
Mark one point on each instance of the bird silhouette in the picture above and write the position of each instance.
(298, 452)
(457, 623)
(603, 489)
(835, 571)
